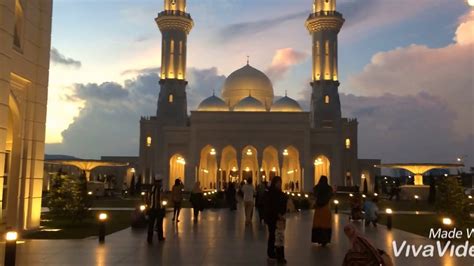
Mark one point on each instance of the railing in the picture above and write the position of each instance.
(174, 13)
(325, 13)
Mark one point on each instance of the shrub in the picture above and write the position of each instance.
(68, 197)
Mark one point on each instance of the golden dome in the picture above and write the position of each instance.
(213, 104)
(249, 104)
(286, 104)
(248, 80)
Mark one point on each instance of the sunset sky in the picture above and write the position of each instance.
(406, 69)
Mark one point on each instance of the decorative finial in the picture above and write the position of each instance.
(286, 93)
(248, 60)
(213, 92)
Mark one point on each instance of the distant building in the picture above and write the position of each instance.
(246, 133)
(25, 37)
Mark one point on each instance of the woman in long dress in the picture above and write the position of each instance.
(322, 230)
(196, 200)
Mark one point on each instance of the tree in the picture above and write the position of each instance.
(451, 200)
(432, 195)
(68, 197)
(366, 188)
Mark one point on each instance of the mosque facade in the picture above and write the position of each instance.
(246, 132)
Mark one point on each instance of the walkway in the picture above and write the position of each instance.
(220, 238)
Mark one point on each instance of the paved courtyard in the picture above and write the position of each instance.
(220, 238)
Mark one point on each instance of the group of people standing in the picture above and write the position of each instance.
(272, 204)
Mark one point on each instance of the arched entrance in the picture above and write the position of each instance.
(229, 168)
(291, 170)
(365, 176)
(208, 168)
(270, 164)
(177, 168)
(322, 166)
(249, 166)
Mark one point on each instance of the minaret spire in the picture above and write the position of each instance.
(324, 25)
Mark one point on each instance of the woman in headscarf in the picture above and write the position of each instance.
(362, 252)
(196, 199)
(322, 231)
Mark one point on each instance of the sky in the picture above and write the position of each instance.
(406, 70)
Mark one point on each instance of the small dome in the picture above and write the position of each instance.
(286, 104)
(247, 80)
(213, 104)
(249, 104)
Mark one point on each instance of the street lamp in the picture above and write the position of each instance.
(10, 248)
(102, 220)
(389, 213)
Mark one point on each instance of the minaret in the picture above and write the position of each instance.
(324, 25)
(175, 25)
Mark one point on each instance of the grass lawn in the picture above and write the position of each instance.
(117, 220)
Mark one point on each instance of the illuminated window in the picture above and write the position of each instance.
(17, 31)
(170, 98)
(148, 141)
(348, 143)
(326, 99)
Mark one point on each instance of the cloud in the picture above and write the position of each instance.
(237, 30)
(446, 73)
(108, 123)
(139, 71)
(60, 59)
(410, 128)
(283, 60)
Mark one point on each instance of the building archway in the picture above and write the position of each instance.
(249, 165)
(291, 170)
(322, 166)
(177, 169)
(228, 166)
(270, 165)
(208, 168)
(365, 175)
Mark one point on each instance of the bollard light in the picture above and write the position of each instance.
(376, 194)
(299, 194)
(469, 197)
(293, 194)
(89, 193)
(205, 193)
(102, 220)
(306, 195)
(447, 221)
(416, 198)
(142, 208)
(364, 196)
(164, 203)
(10, 248)
(351, 195)
(336, 206)
(143, 193)
(389, 213)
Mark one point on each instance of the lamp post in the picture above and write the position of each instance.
(10, 248)
(102, 221)
(336, 206)
(389, 213)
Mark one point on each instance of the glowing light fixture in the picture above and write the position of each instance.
(290, 172)
(363, 176)
(351, 195)
(470, 3)
(249, 152)
(336, 202)
(234, 169)
(447, 221)
(376, 194)
(103, 216)
(306, 195)
(388, 211)
(364, 196)
(181, 160)
(213, 152)
(318, 162)
(142, 208)
(285, 152)
(274, 169)
(247, 169)
(11, 236)
(164, 203)
(89, 193)
(469, 197)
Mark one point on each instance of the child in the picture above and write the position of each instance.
(371, 211)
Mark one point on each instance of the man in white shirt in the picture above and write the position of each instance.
(249, 192)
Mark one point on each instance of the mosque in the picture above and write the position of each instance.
(246, 132)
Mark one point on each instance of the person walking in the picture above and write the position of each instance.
(177, 198)
(196, 200)
(248, 197)
(275, 209)
(156, 213)
(230, 196)
(259, 200)
(321, 232)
